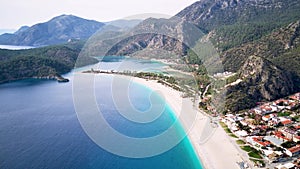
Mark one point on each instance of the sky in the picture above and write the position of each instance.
(17, 13)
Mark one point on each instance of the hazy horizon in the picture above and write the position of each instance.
(17, 13)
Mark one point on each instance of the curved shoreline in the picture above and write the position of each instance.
(213, 146)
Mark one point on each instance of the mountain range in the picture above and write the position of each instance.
(262, 35)
(257, 40)
(59, 30)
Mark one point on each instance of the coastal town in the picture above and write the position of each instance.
(269, 133)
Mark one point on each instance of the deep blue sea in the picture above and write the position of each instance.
(39, 128)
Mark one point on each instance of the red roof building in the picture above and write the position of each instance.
(286, 122)
(295, 150)
(295, 96)
(281, 136)
(259, 141)
(296, 138)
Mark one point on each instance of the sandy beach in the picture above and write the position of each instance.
(212, 145)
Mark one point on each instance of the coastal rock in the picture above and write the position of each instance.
(61, 79)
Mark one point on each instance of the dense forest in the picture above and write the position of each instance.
(45, 62)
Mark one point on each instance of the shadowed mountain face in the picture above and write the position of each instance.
(58, 30)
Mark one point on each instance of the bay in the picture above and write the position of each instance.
(39, 127)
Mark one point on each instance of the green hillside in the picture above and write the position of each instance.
(40, 62)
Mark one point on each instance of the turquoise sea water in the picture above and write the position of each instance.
(39, 127)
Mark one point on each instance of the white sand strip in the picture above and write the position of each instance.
(214, 147)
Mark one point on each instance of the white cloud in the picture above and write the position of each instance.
(15, 13)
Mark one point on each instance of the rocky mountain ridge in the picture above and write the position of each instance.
(261, 80)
